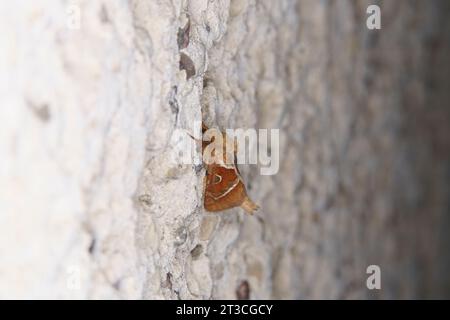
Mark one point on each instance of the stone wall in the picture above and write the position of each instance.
(92, 93)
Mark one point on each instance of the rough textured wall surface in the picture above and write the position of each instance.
(91, 205)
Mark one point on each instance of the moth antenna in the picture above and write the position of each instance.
(249, 206)
(194, 138)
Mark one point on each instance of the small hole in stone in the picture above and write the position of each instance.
(180, 236)
(104, 18)
(168, 282)
(41, 111)
(243, 291)
(145, 200)
(187, 65)
(117, 284)
(205, 82)
(92, 246)
(197, 251)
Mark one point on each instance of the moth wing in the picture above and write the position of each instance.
(223, 189)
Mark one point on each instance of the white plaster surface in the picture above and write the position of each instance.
(92, 207)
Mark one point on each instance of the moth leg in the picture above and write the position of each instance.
(205, 180)
(249, 206)
(204, 184)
